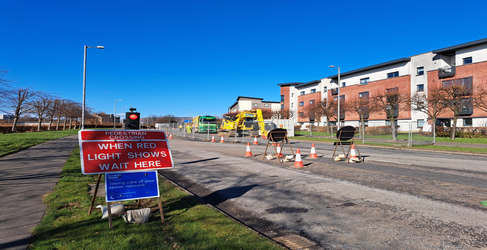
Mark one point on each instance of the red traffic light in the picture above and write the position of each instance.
(133, 117)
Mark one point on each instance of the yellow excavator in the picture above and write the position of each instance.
(249, 122)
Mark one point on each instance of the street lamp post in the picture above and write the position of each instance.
(84, 85)
(338, 118)
(115, 115)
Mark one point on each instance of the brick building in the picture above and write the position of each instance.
(416, 74)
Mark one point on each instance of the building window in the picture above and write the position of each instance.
(266, 105)
(282, 106)
(420, 87)
(393, 74)
(292, 94)
(256, 105)
(301, 103)
(302, 92)
(313, 90)
(344, 84)
(364, 95)
(282, 98)
(364, 81)
(301, 114)
(325, 90)
(420, 71)
(292, 104)
(467, 122)
(420, 123)
(311, 102)
(467, 60)
(388, 122)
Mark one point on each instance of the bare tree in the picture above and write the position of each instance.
(283, 114)
(311, 111)
(52, 111)
(391, 101)
(432, 104)
(16, 100)
(266, 113)
(480, 98)
(5, 90)
(39, 106)
(458, 98)
(328, 109)
(363, 107)
(61, 112)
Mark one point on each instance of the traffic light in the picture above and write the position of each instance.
(132, 119)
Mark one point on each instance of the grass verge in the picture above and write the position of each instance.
(14, 142)
(189, 224)
(398, 145)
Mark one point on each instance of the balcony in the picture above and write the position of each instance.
(467, 107)
(446, 72)
(462, 87)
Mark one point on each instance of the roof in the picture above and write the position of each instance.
(238, 98)
(380, 65)
(270, 102)
(460, 46)
(289, 84)
(308, 83)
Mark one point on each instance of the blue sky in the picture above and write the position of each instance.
(197, 56)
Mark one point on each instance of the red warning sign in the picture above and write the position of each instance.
(105, 151)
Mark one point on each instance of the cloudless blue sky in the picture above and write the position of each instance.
(179, 56)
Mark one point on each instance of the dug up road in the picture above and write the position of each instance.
(396, 199)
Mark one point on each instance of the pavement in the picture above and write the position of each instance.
(25, 177)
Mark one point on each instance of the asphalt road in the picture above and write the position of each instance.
(395, 200)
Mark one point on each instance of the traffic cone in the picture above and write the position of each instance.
(213, 138)
(298, 163)
(247, 151)
(170, 136)
(274, 143)
(279, 153)
(353, 154)
(222, 140)
(255, 141)
(313, 155)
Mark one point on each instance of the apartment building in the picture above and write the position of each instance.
(466, 63)
(250, 103)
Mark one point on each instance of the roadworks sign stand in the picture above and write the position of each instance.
(134, 206)
(346, 136)
(277, 136)
(125, 153)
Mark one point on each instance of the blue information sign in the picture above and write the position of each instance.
(131, 186)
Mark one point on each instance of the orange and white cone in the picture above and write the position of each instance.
(213, 138)
(255, 141)
(247, 151)
(279, 153)
(298, 163)
(274, 144)
(170, 136)
(222, 140)
(313, 155)
(353, 154)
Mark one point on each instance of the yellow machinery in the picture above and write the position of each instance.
(249, 122)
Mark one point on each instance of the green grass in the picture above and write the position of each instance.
(402, 145)
(14, 142)
(189, 224)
